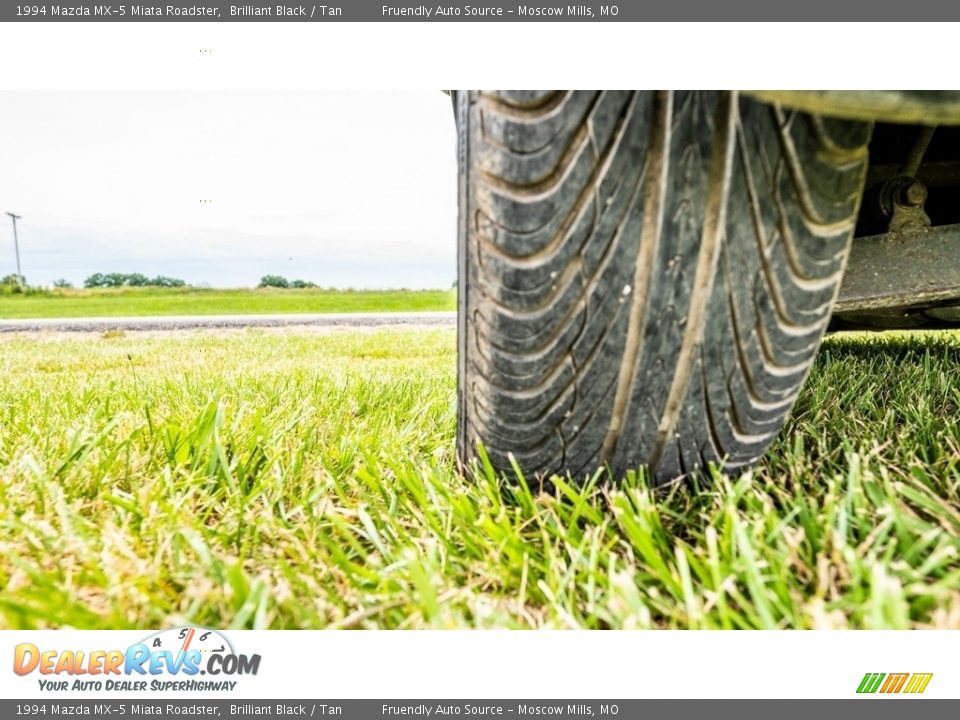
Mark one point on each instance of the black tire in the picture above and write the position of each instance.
(645, 277)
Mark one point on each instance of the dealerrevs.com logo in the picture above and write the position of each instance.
(169, 660)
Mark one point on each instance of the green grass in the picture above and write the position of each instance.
(264, 480)
(192, 301)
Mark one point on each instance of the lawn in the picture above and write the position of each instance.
(193, 301)
(307, 481)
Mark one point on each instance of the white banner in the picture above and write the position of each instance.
(488, 664)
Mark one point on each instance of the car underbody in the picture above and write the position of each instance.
(903, 270)
(904, 264)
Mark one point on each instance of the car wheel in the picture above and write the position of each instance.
(645, 277)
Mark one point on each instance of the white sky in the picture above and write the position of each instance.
(347, 189)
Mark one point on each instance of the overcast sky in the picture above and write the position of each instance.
(344, 189)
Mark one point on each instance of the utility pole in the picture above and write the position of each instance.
(16, 246)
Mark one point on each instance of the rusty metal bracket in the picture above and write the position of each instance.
(906, 205)
(918, 268)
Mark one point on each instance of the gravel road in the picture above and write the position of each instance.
(189, 322)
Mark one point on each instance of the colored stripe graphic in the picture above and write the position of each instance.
(892, 683)
(918, 682)
(870, 682)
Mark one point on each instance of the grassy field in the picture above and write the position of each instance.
(192, 301)
(307, 481)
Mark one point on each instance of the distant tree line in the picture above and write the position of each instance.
(113, 280)
(278, 281)
(13, 284)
